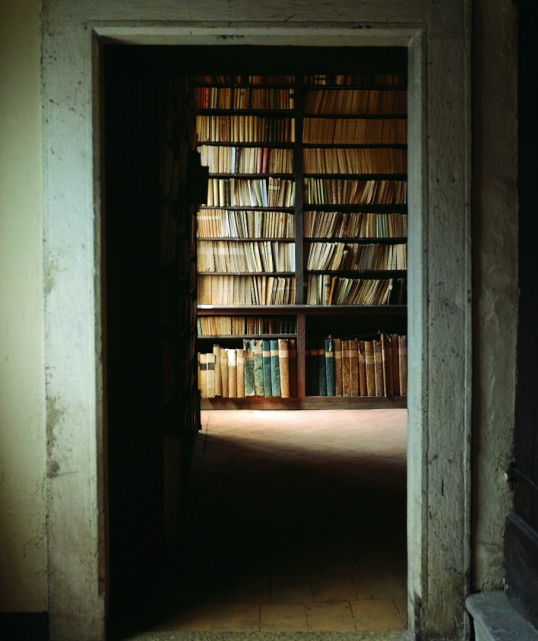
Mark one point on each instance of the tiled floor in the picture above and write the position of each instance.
(298, 524)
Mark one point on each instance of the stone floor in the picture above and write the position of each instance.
(298, 524)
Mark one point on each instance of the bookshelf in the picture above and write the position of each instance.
(306, 219)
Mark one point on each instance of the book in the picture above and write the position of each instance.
(354, 367)
(370, 367)
(329, 366)
(249, 346)
(386, 354)
(307, 369)
(395, 364)
(402, 362)
(337, 347)
(363, 390)
(284, 367)
(218, 372)
(240, 373)
(259, 389)
(275, 369)
(378, 369)
(267, 380)
(346, 376)
(232, 373)
(224, 373)
(292, 354)
(210, 360)
(203, 375)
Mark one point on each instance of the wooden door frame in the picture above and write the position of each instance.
(439, 492)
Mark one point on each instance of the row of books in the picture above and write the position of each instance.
(357, 80)
(244, 98)
(243, 192)
(324, 289)
(246, 160)
(356, 101)
(266, 368)
(244, 257)
(355, 256)
(246, 290)
(331, 224)
(244, 129)
(333, 191)
(354, 161)
(359, 131)
(354, 367)
(223, 223)
(244, 80)
(245, 325)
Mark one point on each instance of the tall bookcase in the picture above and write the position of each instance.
(347, 137)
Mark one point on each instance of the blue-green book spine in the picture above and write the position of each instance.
(329, 366)
(275, 369)
(267, 385)
(249, 367)
(259, 389)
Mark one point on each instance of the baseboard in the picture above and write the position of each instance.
(24, 626)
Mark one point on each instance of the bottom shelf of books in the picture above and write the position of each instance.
(342, 372)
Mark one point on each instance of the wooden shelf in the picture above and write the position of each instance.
(250, 240)
(358, 116)
(281, 274)
(275, 113)
(359, 176)
(243, 85)
(254, 176)
(305, 403)
(371, 209)
(307, 310)
(330, 145)
(291, 210)
(360, 241)
(246, 336)
(355, 87)
(371, 273)
(259, 143)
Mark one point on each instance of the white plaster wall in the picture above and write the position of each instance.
(495, 210)
(22, 404)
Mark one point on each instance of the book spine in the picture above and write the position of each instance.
(249, 367)
(203, 375)
(307, 372)
(322, 370)
(354, 367)
(210, 375)
(232, 373)
(370, 367)
(292, 347)
(329, 366)
(224, 373)
(378, 367)
(258, 368)
(267, 383)
(346, 384)
(284, 365)
(402, 362)
(395, 365)
(337, 346)
(240, 373)
(363, 390)
(275, 369)
(218, 377)
(386, 354)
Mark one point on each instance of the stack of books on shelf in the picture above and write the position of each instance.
(223, 223)
(333, 191)
(235, 192)
(263, 368)
(354, 256)
(359, 131)
(245, 80)
(246, 290)
(331, 224)
(246, 325)
(357, 80)
(246, 160)
(356, 101)
(238, 98)
(354, 161)
(245, 257)
(244, 129)
(353, 367)
(324, 289)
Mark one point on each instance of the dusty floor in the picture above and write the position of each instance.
(299, 524)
